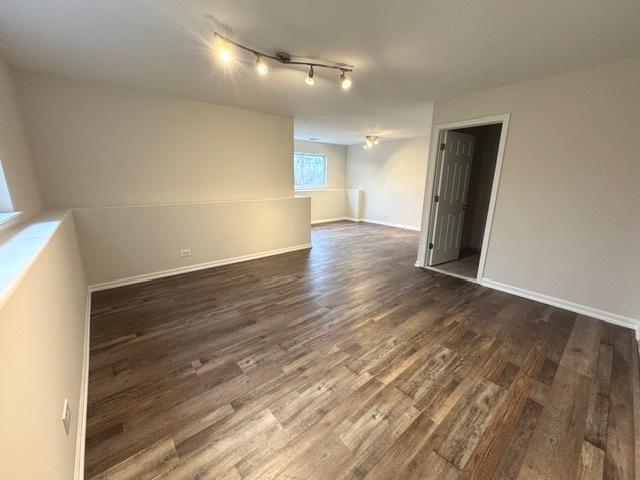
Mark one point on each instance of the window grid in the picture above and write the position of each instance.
(310, 170)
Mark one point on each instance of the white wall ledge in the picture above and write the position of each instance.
(20, 248)
(325, 190)
(179, 204)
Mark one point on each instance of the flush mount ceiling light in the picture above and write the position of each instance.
(224, 50)
(370, 141)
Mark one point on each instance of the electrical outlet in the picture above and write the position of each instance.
(66, 416)
(185, 252)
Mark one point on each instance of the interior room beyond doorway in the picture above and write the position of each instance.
(473, 177)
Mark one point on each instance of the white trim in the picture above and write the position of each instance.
(451, 274)
(608, 317)
(369, 220)
(423, 254)
(494, 195)
(84, 396)
(390, 224)
(325, 220)
(121, 282)
(322, 189)
(181, 204)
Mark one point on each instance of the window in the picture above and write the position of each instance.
(309, 170)
(8, 217)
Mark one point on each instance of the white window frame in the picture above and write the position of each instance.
(8, 216)
(326, 172)
(8, 219)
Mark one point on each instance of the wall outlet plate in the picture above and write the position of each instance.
(66, 416)
(185, 252)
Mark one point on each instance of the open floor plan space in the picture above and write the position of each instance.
(346, 361)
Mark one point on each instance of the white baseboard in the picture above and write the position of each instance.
(390, 224)
(84, 395)
(121, 282)
(368, 220)
(609, 317)
(326, 220)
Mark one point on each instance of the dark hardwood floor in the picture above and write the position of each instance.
(347, 362)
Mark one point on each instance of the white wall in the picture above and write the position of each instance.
(331, 202)
(567, 220)
(96, 145)
(123, 242)
(42, 327)
(17, 175)
(230, 170)
(392, 177)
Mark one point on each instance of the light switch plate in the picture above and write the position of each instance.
(66, 416)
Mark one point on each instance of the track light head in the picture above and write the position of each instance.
(370, 141)
(345, 80)
(261, 66)
(223, 50)
(309, 80)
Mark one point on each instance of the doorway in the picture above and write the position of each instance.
(461, 193)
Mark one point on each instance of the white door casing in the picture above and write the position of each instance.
(451, 196)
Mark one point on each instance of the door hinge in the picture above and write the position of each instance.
(442, 146)
(431, 246)
(436, 199)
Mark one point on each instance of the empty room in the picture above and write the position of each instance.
(253, 240)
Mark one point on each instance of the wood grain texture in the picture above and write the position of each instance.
(347, 362)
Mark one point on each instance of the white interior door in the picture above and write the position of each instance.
(450, 196)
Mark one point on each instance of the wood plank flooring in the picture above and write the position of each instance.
(347, 362)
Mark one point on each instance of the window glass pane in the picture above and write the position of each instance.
(310, 170)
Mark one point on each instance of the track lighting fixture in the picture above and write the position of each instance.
(309, 80)
(345, 80)
(261, 66)
(370, 141)
(224, 52)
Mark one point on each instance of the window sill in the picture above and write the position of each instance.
(9, 219)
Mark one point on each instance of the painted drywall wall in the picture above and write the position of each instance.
(392, 177)
(332, 204)
(329, 202)
(42, 327)
(96, 145)
(336, 160)
(123, 242)
(326, 204)
(566, 221)
(18, 184)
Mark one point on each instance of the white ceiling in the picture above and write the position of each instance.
(406, 53)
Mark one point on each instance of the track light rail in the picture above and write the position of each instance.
(284, 58)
